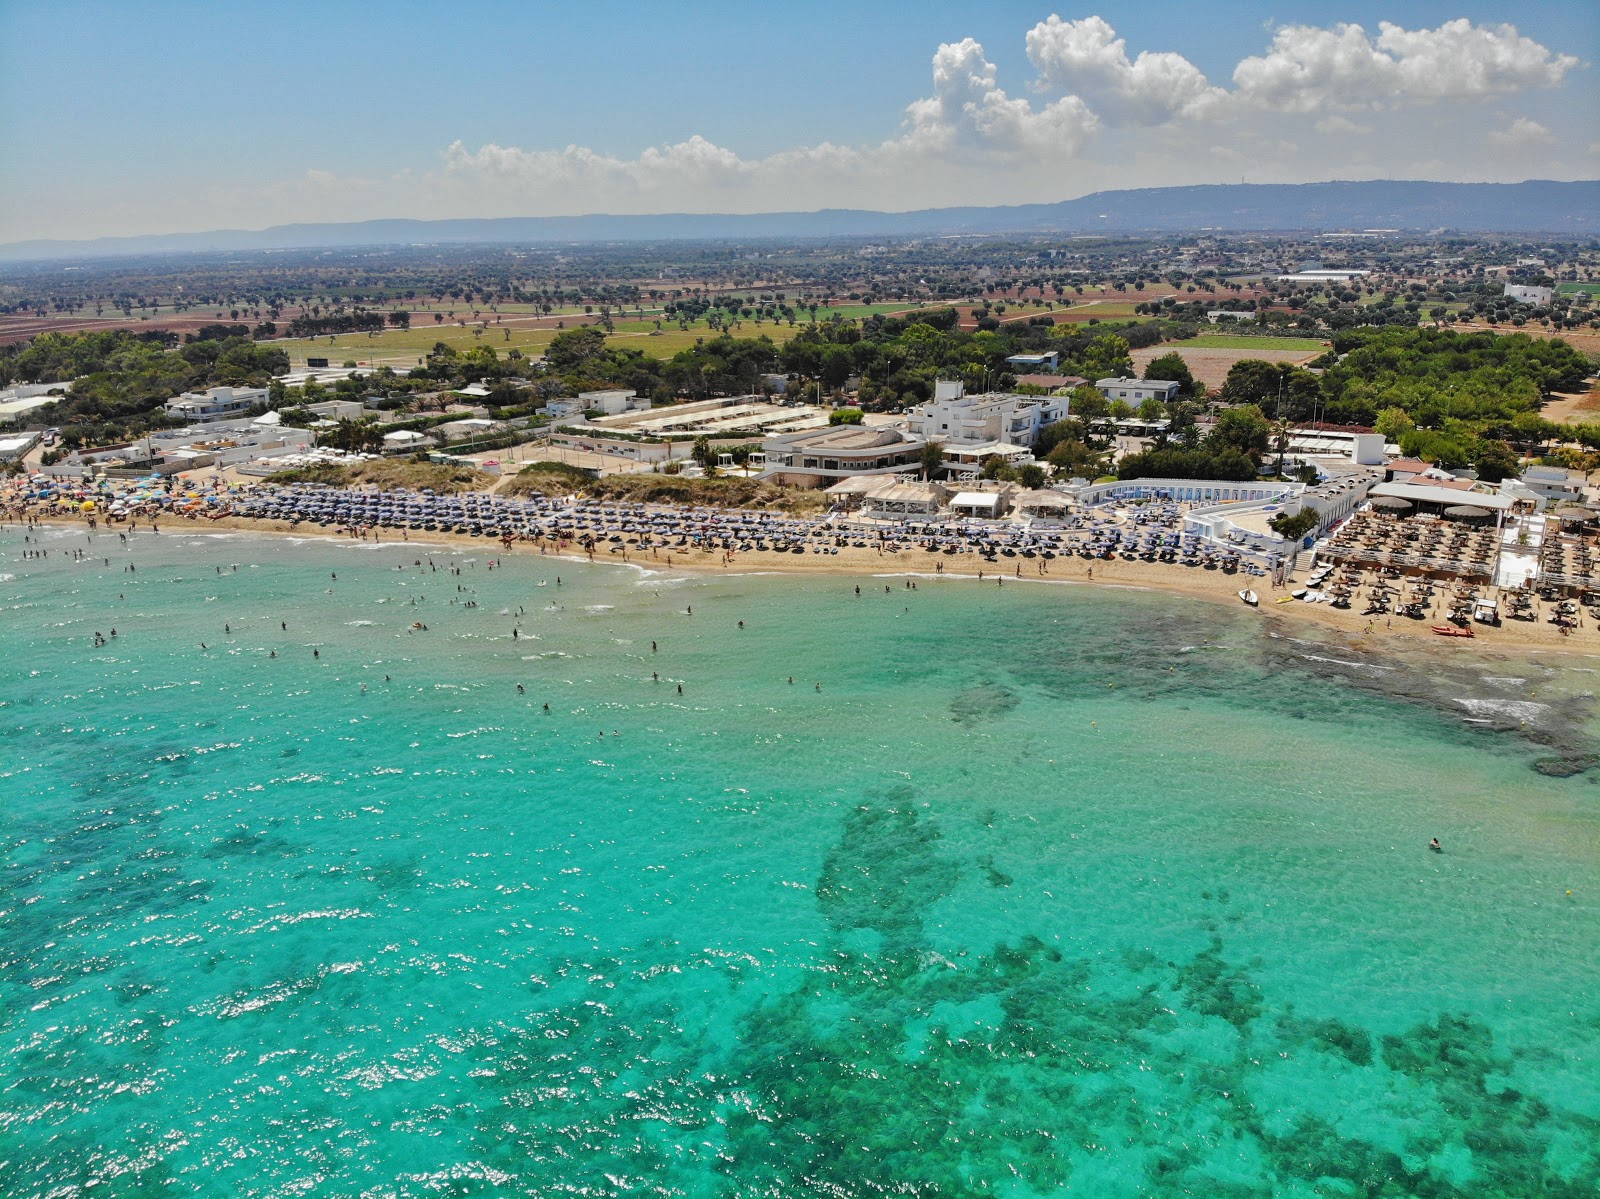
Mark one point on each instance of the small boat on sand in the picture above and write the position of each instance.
(1249, 597)
(1450, 630)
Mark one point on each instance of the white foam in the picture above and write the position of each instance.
(1516, 709)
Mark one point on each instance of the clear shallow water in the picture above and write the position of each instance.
(1047, 891)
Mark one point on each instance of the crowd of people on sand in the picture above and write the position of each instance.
(1147, 532)
(1153, 533)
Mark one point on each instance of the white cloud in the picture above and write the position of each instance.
(1522, 133)
(1337, 126)
(1093, 117)
(968, 120)
(1087, 57)
(1310, 69)
(969, 111)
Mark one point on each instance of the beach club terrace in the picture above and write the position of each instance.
(889, 497)
(820, 457)
(1439, 499)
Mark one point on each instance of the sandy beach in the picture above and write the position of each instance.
(1214, 586)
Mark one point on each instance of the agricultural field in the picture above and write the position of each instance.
(1245, 341)
(1572, 289)
(1211, 366)
(402, 349)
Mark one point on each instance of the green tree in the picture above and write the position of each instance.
(1076, 459)
(1496, 460)
(1243, 428)
(575, 349)
(1292, 527)
(931, 458)
(845, 416)
(1087, 403)
(1173, 369)
(1392, 422)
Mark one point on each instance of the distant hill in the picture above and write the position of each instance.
(1535, 206)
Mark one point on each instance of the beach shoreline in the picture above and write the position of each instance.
(1193, 582)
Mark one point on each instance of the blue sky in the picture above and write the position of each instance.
(118, 118)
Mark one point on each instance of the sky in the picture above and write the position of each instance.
(165, 117)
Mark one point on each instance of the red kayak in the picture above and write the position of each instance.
(1448, 630)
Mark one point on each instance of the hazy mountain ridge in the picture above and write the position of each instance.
(1534, 206)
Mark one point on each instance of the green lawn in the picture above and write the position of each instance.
(1572, 289)
(1226, 341)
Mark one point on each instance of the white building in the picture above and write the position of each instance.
(1363, 449)
(954, 417)
(218, 403)
(1046, 361)
(20, 398)
(1527, 293)
(405, 439)
(613, 402)
(1137, 391)
(822, 457)
(12, 448)
(1323, 276)
(1546, 486)
(338, 409)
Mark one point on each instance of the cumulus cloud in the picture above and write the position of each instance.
(1091, 106)
(1522, 134)
(969, 111)
(1094, 115)
(1309, 69)
(1088, 58)
(1086, 87)
(1337, 126)
(968, 119)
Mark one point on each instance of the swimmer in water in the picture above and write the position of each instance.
(1435, 846)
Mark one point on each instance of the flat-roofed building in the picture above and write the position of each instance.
(1529, 293)
(956, 418)
(214, 404)
(729, 416)
(820, 457)
(1046, 361)
(12, 448)
(1137, 391)
(1546, 486)
(614, 401)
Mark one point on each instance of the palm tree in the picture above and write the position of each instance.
(1281, 429)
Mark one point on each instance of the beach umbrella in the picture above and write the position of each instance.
(1575, 513)
(1467, 512)
(1391, 503)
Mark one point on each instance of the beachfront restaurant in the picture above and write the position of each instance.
(899, 499)
(984, 504)
(1042, 504)
(1425, 498)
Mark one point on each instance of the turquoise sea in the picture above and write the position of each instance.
(1047, 890)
